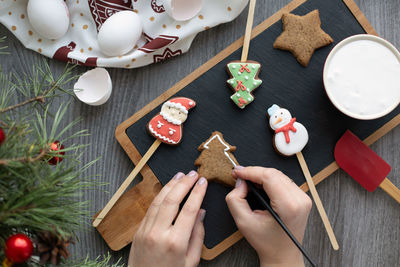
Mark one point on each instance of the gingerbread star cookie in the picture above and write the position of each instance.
(216, 160)
(302, 35)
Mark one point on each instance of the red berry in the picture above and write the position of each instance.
(56, 146)
(18, 248)
(2, 136)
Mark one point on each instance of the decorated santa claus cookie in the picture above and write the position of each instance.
(290, 136)
(166, 126)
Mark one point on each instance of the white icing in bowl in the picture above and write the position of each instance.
(362, 77)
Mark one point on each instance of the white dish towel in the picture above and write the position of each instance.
(162, 38)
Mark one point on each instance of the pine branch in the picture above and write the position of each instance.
(28, 159)
(36, 196)
(2, 39)
(39, 98)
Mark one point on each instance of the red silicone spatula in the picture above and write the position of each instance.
(364, 165)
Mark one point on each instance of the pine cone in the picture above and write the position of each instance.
(51, 247)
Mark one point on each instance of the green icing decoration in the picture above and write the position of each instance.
(243, 81)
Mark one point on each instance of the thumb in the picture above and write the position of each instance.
(196, 240)
(237, 203)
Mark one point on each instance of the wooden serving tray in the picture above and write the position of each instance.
(285, 83)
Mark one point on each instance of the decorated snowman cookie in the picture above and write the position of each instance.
(290, 136)
(167, 125)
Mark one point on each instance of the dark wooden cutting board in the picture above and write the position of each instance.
(285, 82)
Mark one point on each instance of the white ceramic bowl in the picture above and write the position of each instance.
(362, 77)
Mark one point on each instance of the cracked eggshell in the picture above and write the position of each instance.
(182, 10)
(49, 18)
(119, 33)
(94, 87)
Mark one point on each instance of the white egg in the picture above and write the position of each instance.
(182, 10)
(49, 18)
(94, 87)
(119, 33)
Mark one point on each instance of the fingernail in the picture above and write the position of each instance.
(178, 176)
(202, 214)
(238, 182)
(201, 181)
(238, 167)
(192, 173)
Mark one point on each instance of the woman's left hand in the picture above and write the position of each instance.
(168, 237)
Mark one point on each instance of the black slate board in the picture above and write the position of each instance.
(286, 83)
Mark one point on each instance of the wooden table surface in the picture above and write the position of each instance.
(366, 224)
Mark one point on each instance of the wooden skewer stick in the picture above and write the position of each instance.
(390, 189)
(249, 27)
(317, 201)
(126, 183)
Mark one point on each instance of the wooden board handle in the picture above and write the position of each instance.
(390, 189)
(247, 34)
(317, 201)
(126, 183)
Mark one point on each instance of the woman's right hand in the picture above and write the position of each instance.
(293, 206)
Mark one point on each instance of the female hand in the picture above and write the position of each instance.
(167, 237)
(264, 234)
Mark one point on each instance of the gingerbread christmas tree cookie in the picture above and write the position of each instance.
(244, 80)
(302, 35)
(216, 160)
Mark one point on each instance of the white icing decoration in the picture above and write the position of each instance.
(253, 66)
(255, 83)
(298, 139)
(249, 98)
(237, 95)
(177, 106)
(191, 103)
(171, 131)
(225, 150)
(159, 124)
(239, 73)
(160, 136)
(247, 89)
(168, 118)
(231, 82)
(246, 77)
(233, 66)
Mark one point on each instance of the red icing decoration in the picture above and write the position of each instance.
(244, 68)
(165, 129)
(285, 129)
(240, 86)
(242, 101)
